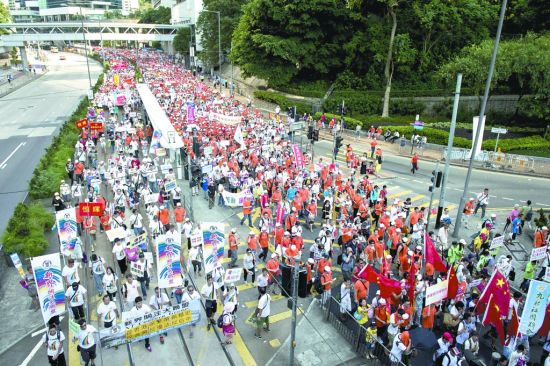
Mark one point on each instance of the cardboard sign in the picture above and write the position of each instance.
(538, 253)
(497, 242)
(233, 275)
(82, 123)
(170, 185)
(437, 292)
(91, 208)
(96, 126)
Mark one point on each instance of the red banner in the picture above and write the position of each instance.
(298, 156)
(82, 123)
(91, 208)
(96, 126)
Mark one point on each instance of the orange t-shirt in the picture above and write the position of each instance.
(264, 239)
(179, 214)
(164, 216)
(428, 316)
(361, 289)
(326, 278)
(252, 242)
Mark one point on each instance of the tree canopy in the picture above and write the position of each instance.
(4, 16)
(160, 15)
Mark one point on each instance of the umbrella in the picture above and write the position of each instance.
(422, 338)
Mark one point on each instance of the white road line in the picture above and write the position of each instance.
(456, 189)
(542, 204)
(3, 164)
(417, 181)
(507, 199)
(31, 355)
(403, 178)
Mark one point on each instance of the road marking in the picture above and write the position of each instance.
(242, 349)
(399, 194)
(4, 163)
(275, 343)
(272, 318)
(416, 198)
(251, 304)
(542, 204)
(417, 181)
(507, 199)
(404, 178)
(31, 355)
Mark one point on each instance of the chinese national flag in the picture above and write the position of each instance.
(433, 257)
(410, 283)
(453, 284)
(492, 316)
(514, 324)
(545, 328)
(387, 285)
(499, 290)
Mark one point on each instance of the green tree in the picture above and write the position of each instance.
(160, 15)
(113, 14)
(14, 56)
(207, 27)
(284, 39)
(4, 17)
(182, 41)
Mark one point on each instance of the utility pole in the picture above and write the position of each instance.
(458, 222)
(449, 148)
(431, 200)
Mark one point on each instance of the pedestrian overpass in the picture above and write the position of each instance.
(22, 33)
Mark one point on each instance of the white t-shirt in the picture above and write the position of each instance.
(145, 309)
(98, 267)
(159, 302)
(71, 274)
(262, 280)
(109, 281)
(107, 312)
(86, 337)
(118, 250)
(264, 304)
(132, 291)
(76, 298)
(397, 350)
(54, 342)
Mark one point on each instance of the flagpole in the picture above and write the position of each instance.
(485, 289)
(486, 309)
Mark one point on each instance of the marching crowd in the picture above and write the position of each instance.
(381, 246)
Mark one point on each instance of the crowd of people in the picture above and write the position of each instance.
(376, 242)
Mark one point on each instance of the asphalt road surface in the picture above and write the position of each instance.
(31, 116)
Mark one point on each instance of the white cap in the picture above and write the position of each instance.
(251, 232)
(462, 241)
(293, 247)
(418, 247)
(382, 301)
(310, 260)
(544, 228)
(405, 239)
(382, 226)
(410, 252)
(293, 209)
(328, 269)
(388, 257)
(419, 276)
(405, 316)
(233, 230)
(398, 230)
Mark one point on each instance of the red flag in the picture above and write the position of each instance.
(387, 285)
(514, 324)
(499, 290)
(280, 214)
(492, 316)
(410, 283)
(453, 284)
(432, 256)
(545, 328)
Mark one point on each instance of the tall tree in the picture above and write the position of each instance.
(182, 42)
(207, 27)
(278, 40)
(160, 15)
(4, 16)
(388, 69)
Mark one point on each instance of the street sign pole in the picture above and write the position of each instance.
(431, 200)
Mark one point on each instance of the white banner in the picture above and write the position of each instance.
(169, 269)
(226, 120)
(534, 309)
(538, 253)
(233, 275)
(67, 230)
(49, 283)
(235, 199)
(497, 242)
(213, 245)
(437, 292)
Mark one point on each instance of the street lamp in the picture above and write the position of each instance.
(219, 43)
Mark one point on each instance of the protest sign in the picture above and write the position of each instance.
(226, 120)
(17, 263)
(170, 185)
(235, 199)
(91, 208)
(534, 309)
(213, 243)
(196, 239)
(299, 158)
(233, 275)
(168, 262)
(49, 283)
(67, 230)
(437, 292)
(538, 253)
(117, 233)
(165, 168)
(497, 242)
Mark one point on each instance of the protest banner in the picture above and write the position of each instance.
(226, 120)
(116, 233)
(135, 328)
(82, 123)
(161, 151)
(168, 262)
(437, 292)
(213, 243)
(151, 198)
(49, 283)
(233, 275)
(206, 169)
(155, 141)
(170, 185)
(497, 242)
(235, 199)
(165, 168)
(139, 241)
(137, 268)
(17, 263)
(67, 230)
(534, 309)
(196, 239)
(91, 208)
(96, 126)
(298, 156)
(538, 253)
(190, 112)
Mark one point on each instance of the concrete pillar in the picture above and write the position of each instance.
(24, 58)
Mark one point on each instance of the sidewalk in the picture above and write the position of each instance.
(18, 82)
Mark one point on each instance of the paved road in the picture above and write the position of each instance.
(30, 117)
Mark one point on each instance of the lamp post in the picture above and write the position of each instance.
(219, 43)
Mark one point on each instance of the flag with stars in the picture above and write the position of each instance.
(452, 289)
(386, 285)
(499, 290)
(493, 317)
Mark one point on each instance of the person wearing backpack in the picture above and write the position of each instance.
(442, 347)
(226, 322)
(53, 340)
(262, 313)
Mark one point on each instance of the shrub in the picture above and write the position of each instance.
(406, 107)
(351, 123)
(25, 231)
(282, 101)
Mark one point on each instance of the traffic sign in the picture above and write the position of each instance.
(499, 130)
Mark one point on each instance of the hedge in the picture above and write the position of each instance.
(25, 231)
(51, 168)
(440, 137)
(282, 101)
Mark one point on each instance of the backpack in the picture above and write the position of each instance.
(439, 360)
(219, 322)
(317, 285)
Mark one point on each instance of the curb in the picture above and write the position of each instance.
(23, 84)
